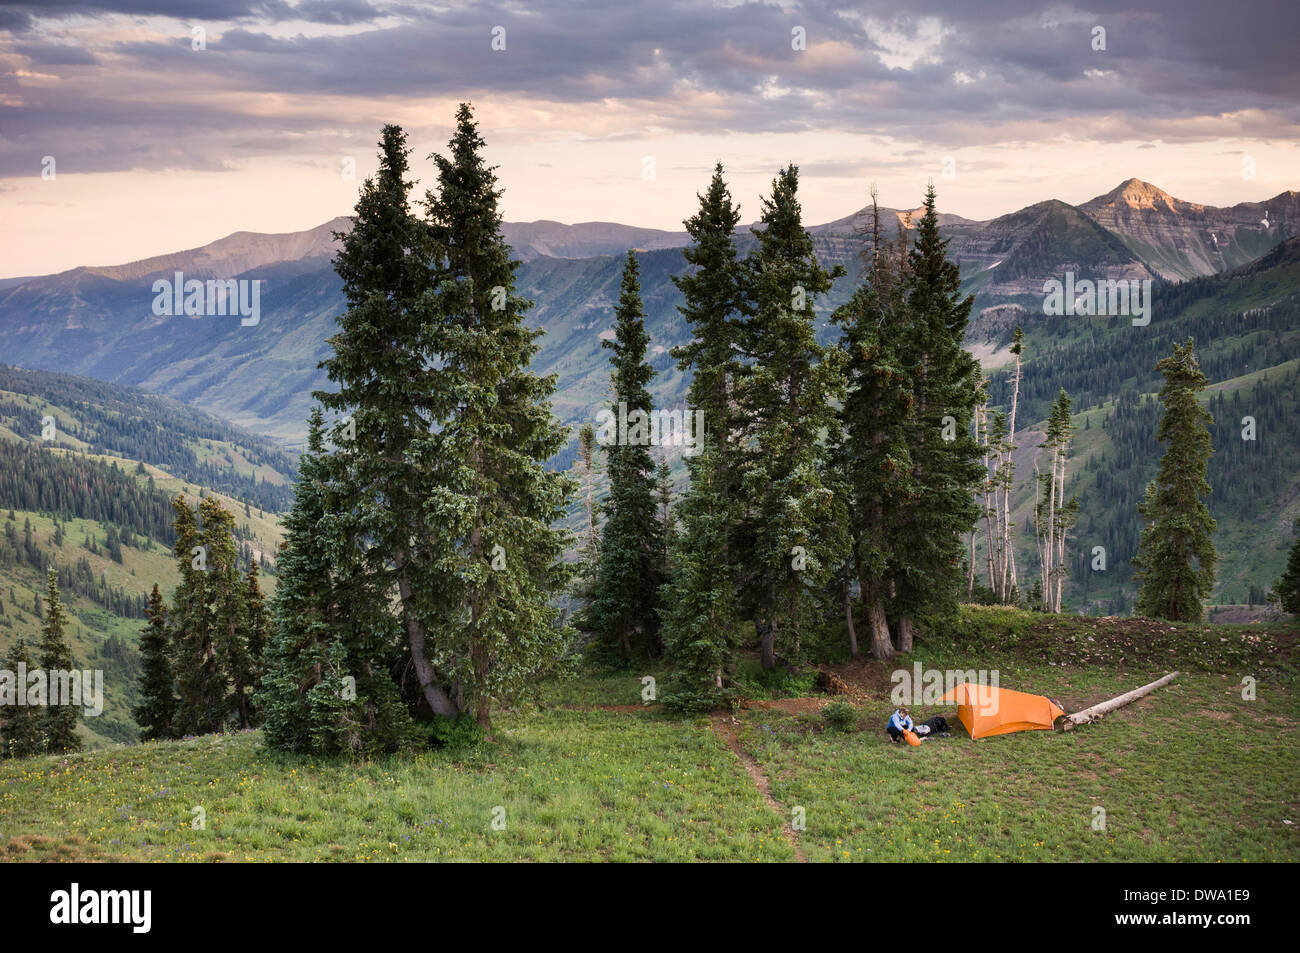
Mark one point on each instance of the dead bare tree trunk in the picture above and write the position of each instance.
(988, 508)
(1059, 565)
(848, 619)
(1051, 538)
(1009, 582)
(1106, 707)
(970, 578)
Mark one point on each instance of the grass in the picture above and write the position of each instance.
(572, 785)
(1192, 772)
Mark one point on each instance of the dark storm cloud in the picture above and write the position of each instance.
(996, 72)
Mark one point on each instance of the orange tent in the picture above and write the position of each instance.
(986, 710)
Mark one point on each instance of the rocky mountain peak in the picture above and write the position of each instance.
(1136, 194)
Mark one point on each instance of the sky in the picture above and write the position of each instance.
(131, 128)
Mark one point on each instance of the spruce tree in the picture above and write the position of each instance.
(157, 705)
(793, 534)
(443, 434)
(22, 731)
(60, 728)
(873, 455)
(698, 604)
(946, 470)
(328, 627)
(1287, 587)
(623, 612)
(1176, 558)
(200, 684)
(390, 393)
(716, 303)
(258, 622)
(496, 505)
(224, 601)
(300, 608)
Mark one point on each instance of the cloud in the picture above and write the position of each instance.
(127, 90)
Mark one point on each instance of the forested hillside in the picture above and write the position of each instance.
(94, 501)
(1246, 324)
(99, 417)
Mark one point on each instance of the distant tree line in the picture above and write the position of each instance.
(70, 486)
(114, 420)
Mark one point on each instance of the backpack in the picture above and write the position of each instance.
(938, 725)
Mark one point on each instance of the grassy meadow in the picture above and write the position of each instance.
(1193, 771)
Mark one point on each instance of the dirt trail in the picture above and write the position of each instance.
(729, 732)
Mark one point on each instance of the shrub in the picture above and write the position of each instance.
(840, 716)
(455, 733)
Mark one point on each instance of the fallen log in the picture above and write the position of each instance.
(1106, 707)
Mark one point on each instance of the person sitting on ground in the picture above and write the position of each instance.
(899, 722)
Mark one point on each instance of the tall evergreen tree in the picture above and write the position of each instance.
(1287, 586)
(497, 504)
(631, 566)
(446, 431)
(314, 646)
(1176, 558)
(228, 614)
(715, 306)
(873, 456)
(793, 535)
(698, 605)
(200, 684)
(946, 468)
(259, 623)
(21, 726)
(389, 396)
(157, 705)
(300, 608)
(60, 719)
(699, 608)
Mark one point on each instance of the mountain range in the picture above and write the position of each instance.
(98, 321)
(1230, 277)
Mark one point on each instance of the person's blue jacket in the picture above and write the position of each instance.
(900, 722)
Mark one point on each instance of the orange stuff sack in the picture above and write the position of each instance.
(911, 738)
